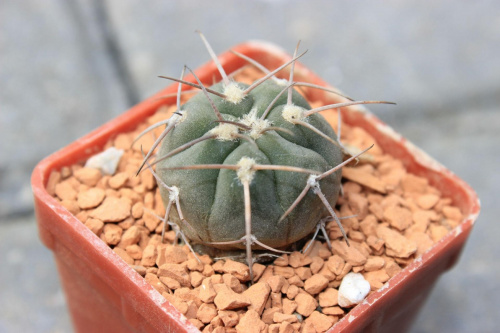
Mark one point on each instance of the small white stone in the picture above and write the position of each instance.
(106, 162)
(353, 290)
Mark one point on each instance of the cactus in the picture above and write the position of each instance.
(248, 167)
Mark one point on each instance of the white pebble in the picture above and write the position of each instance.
(107, 161)
(353, 289)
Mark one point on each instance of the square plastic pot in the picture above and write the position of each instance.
(104, 294)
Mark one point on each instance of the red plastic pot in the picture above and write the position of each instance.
(105, 295)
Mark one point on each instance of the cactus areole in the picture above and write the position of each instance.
(248, 166)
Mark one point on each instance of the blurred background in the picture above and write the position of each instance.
(68, 66)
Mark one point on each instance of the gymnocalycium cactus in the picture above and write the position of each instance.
(249, 167)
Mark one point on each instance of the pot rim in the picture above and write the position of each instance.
(93, 249)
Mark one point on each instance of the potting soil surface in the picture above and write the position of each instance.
(397, 216)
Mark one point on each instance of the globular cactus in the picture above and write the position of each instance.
(249, 167)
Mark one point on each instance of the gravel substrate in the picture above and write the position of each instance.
(398, 216)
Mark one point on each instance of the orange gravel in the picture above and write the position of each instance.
(399, 216)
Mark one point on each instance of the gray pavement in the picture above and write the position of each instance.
(67, 67)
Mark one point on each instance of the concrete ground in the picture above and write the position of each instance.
(69, 66)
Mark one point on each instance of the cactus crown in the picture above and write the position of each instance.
(248, 167)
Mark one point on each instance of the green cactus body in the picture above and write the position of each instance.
(212, 200)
